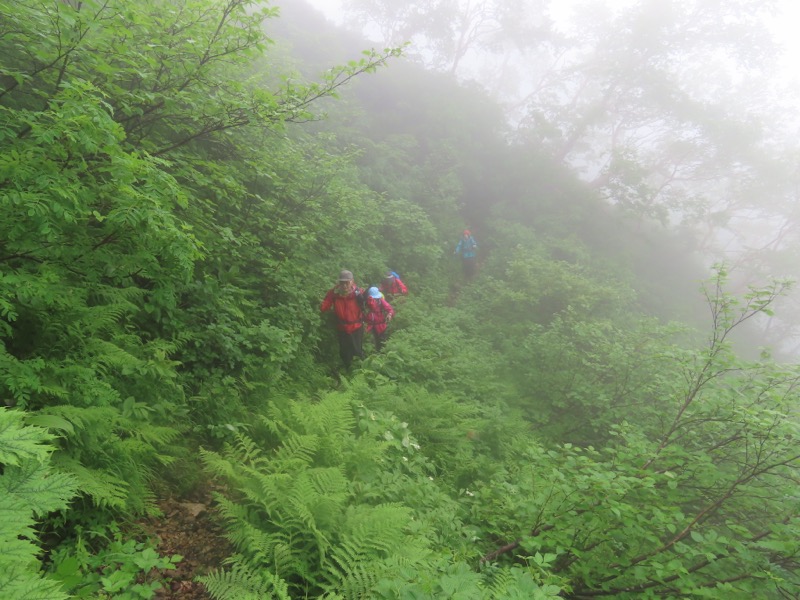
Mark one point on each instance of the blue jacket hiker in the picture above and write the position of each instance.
(467, 247)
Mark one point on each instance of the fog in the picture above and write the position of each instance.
(682, 114)
(194, 194)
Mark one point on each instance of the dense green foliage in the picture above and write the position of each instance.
(170, 221)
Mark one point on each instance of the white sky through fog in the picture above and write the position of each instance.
(786, 26)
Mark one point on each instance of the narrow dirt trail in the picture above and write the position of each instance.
(189, 527)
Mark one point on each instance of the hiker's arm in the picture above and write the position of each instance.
(327, 303)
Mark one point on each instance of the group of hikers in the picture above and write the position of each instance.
(356, 308)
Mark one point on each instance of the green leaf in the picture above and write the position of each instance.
(50, 422)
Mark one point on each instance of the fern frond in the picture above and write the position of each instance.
(275, 426)
(16, 530)
(378, 527)
(231, 512)
(55, 391)
(360, 579)
(105, 317)
(105, 489)
(319, 495)
(105, 294)
(255, 543)
(113, 356)
(372, 540)
(267, 491)
(515, 583)
(297, 449)
(501, 582)
(142, 500)
(331, 417)
(18, 583)
(292, 516)
(18, 441)
(327, 481)
(156, 435)
(284, 555)
(135, 457)
(41, 490)
(244, 583)
(217, 466)
(28, 489)
(248, 451)
(301, 519)
(82, 417)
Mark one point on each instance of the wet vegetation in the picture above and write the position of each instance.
(591, 415)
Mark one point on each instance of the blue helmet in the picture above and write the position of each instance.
(374, 293)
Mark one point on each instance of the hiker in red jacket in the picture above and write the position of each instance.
(347, 300)
(392, 286)
(378, 314)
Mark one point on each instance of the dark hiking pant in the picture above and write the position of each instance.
(350, 345)
(380, 338)
(469, 266)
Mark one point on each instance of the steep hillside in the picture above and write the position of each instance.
(174, 211)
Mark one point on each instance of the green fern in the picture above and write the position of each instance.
(29, 489)
(333, 417)
(78, 417)
(249, 452)
(297, 451)
(119, 296)
(110, 357)
(296, 514)
(34, 484)
(156, 436)
(368, 536)
(113, 457)
(19, 442)
(218, 466)
(244, 583)
(105, 490)
(18, 583)
(515, 583)
(16, 529)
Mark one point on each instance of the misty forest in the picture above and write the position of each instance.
(602, 403)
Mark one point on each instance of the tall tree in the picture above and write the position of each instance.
(117, 160)
(447, 34)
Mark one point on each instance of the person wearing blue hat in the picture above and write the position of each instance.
(392, 286)
(378, 314)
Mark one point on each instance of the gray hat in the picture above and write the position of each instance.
(345, 275)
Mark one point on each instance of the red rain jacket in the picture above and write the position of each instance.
(379, 311)
(393, 286)
(347, 308)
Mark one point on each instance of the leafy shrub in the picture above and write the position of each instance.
(122, 569)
